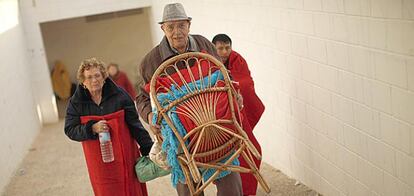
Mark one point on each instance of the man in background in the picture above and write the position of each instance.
(253, 107)
(121, 79)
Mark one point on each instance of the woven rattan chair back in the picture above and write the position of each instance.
(202, 93)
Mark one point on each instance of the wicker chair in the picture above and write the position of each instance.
(215, 139)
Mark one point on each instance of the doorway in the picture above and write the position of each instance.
(122, 37)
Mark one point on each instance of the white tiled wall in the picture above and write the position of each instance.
(337, 79)
(19, 122)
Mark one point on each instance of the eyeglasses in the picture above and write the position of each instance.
(91, 77)
(180, 26)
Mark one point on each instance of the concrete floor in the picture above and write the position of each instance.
(55, 165)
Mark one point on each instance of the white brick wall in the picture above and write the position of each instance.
(340, 110)
(19, 122)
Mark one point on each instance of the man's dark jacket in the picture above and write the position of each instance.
(156, 57)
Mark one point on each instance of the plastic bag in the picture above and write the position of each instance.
(147, 170)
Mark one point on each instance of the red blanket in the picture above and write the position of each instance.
(117, 177)
(222, 109)
(122, 81)
(165, 82)
(240, 72)
(249, 182)
(253, 110)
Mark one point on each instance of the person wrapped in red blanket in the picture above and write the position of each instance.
(253, 106)
(121, 79)
(97, 106)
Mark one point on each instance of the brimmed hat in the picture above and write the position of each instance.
(174, 12)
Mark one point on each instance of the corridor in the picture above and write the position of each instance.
(336, 78)
(55, 166)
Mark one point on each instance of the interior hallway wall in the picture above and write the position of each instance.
(123, 40)
(337, 79)
(39, 11)
(19, 122)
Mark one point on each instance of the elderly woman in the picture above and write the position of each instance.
(98, 105)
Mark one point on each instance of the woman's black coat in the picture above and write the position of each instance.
(113, 100)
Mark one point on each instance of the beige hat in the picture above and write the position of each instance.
(174, 12)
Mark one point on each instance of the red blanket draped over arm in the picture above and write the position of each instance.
(253, 110)
(117, 177)
(240, 72)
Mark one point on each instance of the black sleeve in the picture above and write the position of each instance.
(73, 127)
(136, 129)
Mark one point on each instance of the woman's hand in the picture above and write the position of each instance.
(100, 126)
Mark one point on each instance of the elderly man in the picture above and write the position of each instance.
(253, 107)
(176, 27)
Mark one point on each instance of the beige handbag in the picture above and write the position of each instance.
(158, 156)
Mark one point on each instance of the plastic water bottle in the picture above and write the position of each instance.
(106, 147)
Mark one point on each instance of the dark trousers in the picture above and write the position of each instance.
(229, 185)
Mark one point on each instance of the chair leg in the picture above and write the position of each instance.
(256, 173)
(217, 172)
(194, 170)
(248, 143)
(192, 166)
(187, 175)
